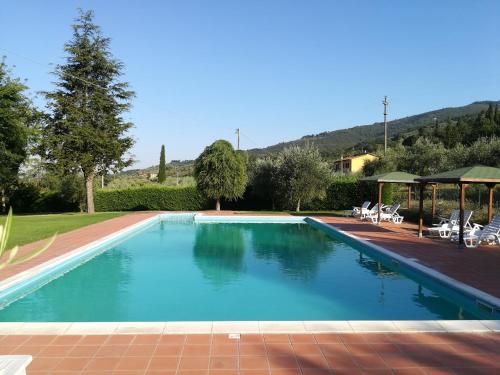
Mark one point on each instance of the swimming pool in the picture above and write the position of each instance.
(218, 269)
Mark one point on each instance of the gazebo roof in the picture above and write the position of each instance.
(393, 177)
(474, 174)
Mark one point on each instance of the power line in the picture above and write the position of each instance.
(250, 139)
(238, 131)
(92, 83)
(51, 64)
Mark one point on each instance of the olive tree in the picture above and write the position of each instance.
(221, 172)
(302, 175)
(263, 176)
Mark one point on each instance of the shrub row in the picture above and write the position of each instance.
(165, 198)
(342, 193)
(30, 199)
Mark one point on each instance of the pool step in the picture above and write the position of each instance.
(178, 217)
(485, 306)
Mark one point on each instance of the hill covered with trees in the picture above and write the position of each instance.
(367, 137)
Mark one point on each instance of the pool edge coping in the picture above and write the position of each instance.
(245, 327)
(250, 327)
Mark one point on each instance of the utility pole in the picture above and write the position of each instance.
(238, 133)
(385, 103)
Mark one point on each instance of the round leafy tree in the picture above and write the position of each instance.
(220, 172)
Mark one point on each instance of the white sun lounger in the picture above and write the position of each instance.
(489, 234)
(14, 364)
(445, 223)
(388, 214)
(369, 212)
(357, 211)
(453, 227)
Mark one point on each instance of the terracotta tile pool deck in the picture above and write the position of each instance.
(279, 354)
(274, 354)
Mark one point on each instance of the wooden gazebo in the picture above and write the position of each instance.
(392, 178)
(463, 177)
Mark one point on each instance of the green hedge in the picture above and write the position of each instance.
(165, 198)
(28, 198)
(343, 193)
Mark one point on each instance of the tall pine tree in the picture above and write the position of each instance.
(86, 131)
(162, 172)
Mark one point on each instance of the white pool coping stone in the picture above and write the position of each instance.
(250, 327)
(244, 327)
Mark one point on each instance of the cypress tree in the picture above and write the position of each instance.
(162, 172)
(490, 114)
(86, 132)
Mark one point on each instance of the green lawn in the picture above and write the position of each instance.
(30, 228)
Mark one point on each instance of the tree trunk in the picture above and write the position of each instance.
(298, 206)
(217, 204)
(89, 185)
(2, 199)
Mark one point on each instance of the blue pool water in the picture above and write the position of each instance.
(205, 271)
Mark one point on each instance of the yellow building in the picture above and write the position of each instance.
(352, 164)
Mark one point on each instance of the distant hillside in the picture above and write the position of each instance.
(181, 167)
(332, 143)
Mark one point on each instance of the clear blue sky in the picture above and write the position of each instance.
(276, 69)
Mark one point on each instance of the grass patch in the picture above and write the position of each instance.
(31, 228)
